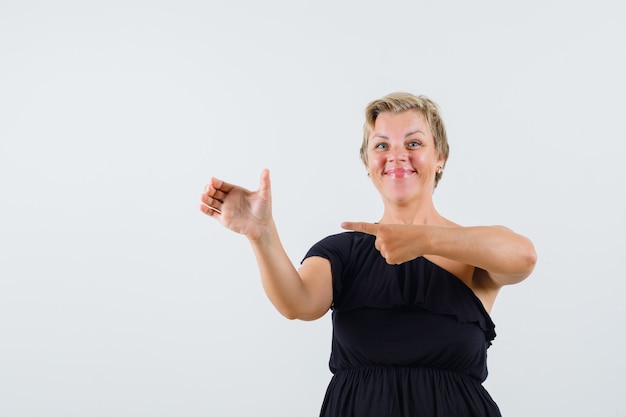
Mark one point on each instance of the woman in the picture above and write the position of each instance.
(410, 295)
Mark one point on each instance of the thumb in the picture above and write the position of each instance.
(264, 183)
(369, 228)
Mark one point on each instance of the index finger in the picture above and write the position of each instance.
(369, 228)
(219, 185)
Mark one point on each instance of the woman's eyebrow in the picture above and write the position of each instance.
(413, 132)
(380, 135)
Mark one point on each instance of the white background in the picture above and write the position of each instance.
(119, 298)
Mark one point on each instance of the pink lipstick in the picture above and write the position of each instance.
(399, 172)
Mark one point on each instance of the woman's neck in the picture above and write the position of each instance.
(424, 213)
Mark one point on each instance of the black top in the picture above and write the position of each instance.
(408, 340)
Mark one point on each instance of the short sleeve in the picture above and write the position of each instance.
(335, 248)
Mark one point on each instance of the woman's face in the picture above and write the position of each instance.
(402, 161)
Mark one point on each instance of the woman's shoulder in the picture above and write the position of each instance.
(343, 242)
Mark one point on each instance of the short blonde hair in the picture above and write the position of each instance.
(399, 102)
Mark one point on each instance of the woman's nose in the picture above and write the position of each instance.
(398, 155)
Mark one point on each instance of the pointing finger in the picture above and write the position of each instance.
(369, 228)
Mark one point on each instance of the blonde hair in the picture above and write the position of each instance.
(399, 102)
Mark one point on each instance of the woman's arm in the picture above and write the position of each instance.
(304, 294)
(507, 256)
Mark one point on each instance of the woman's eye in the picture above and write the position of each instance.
(415, 144)
(380, 146)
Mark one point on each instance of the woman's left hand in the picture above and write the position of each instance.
(397, 243)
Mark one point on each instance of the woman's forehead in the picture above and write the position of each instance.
(408, 121)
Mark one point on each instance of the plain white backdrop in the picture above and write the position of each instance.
(119, 298)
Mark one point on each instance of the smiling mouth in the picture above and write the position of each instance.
(399, 172)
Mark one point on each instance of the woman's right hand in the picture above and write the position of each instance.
(240, 210)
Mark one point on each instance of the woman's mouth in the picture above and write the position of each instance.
(399, 172)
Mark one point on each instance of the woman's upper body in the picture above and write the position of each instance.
(404, 150)
(413, 314)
